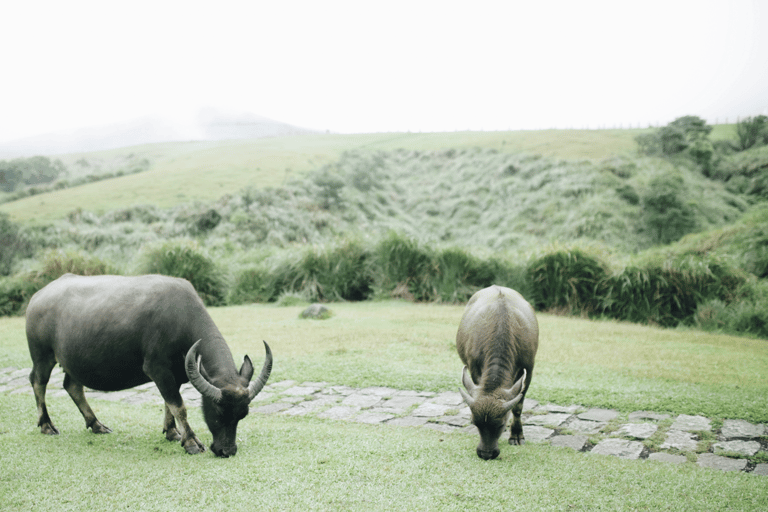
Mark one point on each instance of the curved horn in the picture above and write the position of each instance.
(256, 385)
(192, 365)
(515, 392)
(470, 385)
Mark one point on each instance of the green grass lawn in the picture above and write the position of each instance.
(309, 464)
(290, 463)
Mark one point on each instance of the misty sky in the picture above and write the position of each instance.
(356, 66)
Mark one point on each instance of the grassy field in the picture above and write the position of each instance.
(289, 463)
(205, 171)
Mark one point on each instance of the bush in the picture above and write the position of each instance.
(669, 293)
(404, 268)
(566, 279)
(15, 293)
(13, 243)
(746, 315)
(187, 260)
(57, 262)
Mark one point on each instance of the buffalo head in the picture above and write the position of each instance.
(226, 402)
(490, 411)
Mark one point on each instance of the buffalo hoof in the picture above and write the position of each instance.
(193, 446)
(517, 441)
(172, 434)
(49, 429)
(99, 428)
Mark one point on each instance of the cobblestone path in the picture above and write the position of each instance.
(736, 445)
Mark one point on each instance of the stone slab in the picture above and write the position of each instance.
(574, 442)
(584, 426)
(339, 412)
(638, 430)
(667, 457)
(761, 469)
(619, 448)
(529, 404)
(740, 429)
(448, 398)
(710, 460)
(683, 441)
(361, 400)
(378, 391)
(647, 415)
(599, 415)
(456, 421)
(691, 423)
(536, 434)
(552, 419)
(301, 391)
(746, 448)
(571, 409)
(273, 408)
(428, 410)
(403, 402)
(116, 396)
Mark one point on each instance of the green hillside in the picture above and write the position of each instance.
(204, 171)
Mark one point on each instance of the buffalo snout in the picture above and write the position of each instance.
(488, 454)
(224, 451)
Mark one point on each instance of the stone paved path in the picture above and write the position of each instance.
(594, 431)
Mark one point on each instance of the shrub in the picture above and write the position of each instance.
(57, 262)
(404, 268)
(187, 260)
(336, 273)
(566, 279)
(668, 293)
(15, 293)
(13, 243)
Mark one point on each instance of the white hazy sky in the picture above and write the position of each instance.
(357, 66)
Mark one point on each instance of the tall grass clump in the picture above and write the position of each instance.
(16, 291)
(322, 273)
(669, 293)
(187, 260)
(748, 315)
(404, 268)
(338, 272)
(567, 280)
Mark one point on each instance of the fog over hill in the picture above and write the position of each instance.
(207, 125)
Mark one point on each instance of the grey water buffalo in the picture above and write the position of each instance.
(497, 341)
(113, 332)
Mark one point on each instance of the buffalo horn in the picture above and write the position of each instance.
(256, 385)
(192, 362)
(515, 393)
(470, 385)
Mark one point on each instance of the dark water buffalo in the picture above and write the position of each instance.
(497, 341)
(114, 332)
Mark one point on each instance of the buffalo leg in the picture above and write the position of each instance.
(516, 436)
(169, 426)
(38, 377)
(75, 390)
(169, 390)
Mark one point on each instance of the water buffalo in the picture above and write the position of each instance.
(497, 341)
(114, 332)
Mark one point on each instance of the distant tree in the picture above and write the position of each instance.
(13, 244)
(752, 131)
(29, 171)
(665, 211)
(675, 137)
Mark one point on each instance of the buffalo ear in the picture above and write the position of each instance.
(246, 370)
